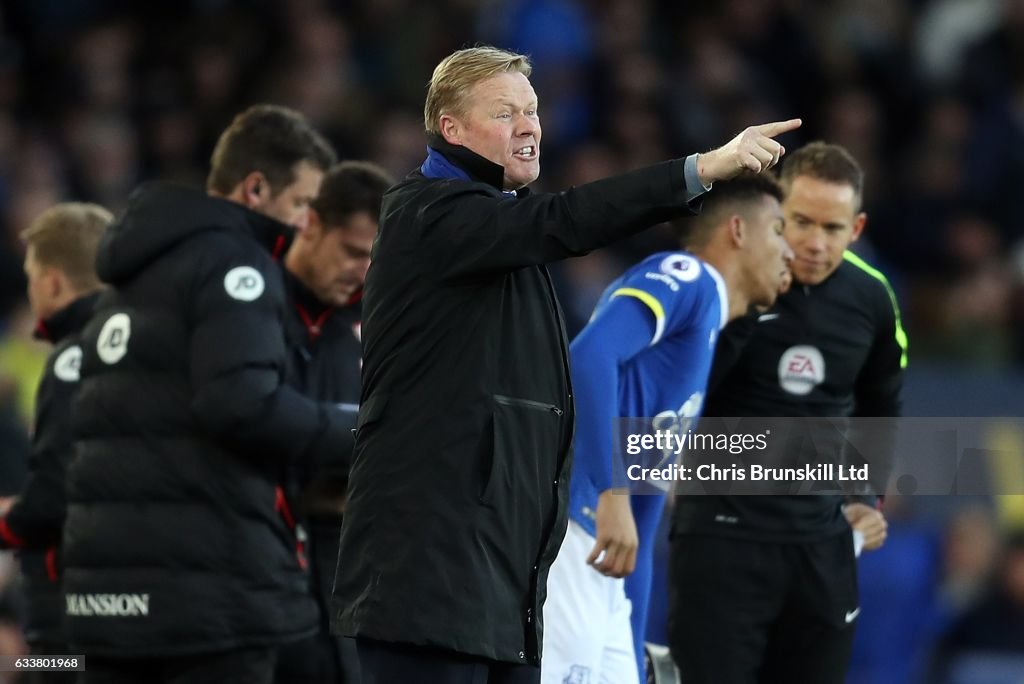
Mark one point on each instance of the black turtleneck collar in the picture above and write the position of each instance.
(68, 320)
(479, 168)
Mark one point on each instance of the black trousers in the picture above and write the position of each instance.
(243, 666)
(385, 663)
(747, 612)
(322, 658)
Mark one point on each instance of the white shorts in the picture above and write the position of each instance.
(587, 635)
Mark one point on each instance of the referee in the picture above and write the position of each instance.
(764, 588)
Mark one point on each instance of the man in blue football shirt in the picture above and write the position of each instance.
(647, 352)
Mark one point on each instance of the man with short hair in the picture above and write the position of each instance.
(647, 352)
(62, 290)
(764, 588)
(272, 162)
(325, 269)
(183, 558)
(457, 495)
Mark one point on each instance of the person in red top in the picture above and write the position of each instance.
(324, 270)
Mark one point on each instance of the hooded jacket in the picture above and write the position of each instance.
(179, 538)
(324, 364)
(33, 524)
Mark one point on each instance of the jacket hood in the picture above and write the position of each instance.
(160, 215)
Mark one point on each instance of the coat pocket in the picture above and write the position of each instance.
(524, 446)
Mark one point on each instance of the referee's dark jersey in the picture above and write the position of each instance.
(833, 349)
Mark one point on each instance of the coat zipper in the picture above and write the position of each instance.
(532, 642)
(529, 403)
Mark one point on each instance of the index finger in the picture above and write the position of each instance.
(778, 127)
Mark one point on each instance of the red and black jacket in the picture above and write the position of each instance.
(35, 521)
(324, 352)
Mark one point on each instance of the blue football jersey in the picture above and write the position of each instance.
(646, 353)
(663, 378)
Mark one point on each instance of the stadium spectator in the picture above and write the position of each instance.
(987, 638)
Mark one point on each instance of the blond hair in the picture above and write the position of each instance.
(66, 236)
(456, 75)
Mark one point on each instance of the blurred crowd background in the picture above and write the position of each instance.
(97, 96)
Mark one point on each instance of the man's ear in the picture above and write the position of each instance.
(451, 129)
(314, 228)
(58, 287)
(737, 230)
(54, 281)
(255, 190)
(859, 222)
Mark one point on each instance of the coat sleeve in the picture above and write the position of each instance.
(623, 329)
(877, 401)
(237, 360)
(37, 517)
(878, 385)
(469, 230)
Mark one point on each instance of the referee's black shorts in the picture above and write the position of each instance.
(746, 612)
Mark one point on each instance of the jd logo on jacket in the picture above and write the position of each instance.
(112, 344)
(68, 364)
(244, 283)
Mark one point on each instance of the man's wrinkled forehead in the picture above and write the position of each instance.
(507, 88)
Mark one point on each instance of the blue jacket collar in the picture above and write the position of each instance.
(445, 160)
(437, 165)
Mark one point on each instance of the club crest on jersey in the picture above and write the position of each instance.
(674, 422)
(682, 267)
(244, 283)
(68, 364)
(801, 369)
